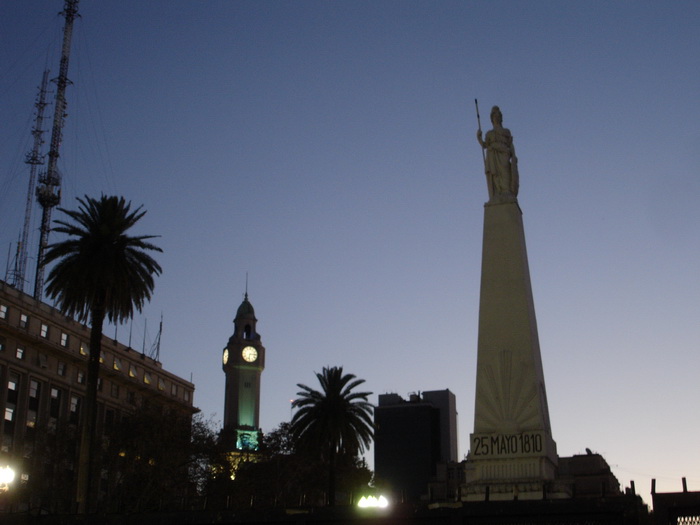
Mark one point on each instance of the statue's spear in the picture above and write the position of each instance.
(478, 120)
(483, 153)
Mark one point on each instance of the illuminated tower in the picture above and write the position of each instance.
(243, 363)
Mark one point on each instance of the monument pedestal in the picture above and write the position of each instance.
(512, 453)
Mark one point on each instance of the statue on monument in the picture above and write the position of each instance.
(500, 162)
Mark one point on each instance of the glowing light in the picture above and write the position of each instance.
(7, 476)
(373, 502)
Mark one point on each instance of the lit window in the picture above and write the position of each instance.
(117, 365)
(74, 404)
(33, 388)
(81, 377)
(19, 353)
(161, 384)
(9, 413)
(102, 357)
(83, 349)
(54, 393)
(31, 418)
(44, 332)
(61, 369)
(147, 378)
(3, 311)
(12, 382)
(132, 371)
(23, 320)
(64, 339)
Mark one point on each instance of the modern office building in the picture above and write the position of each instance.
(412, 437)
(43, 369)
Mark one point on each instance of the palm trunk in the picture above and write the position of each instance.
(88, 436)
(331, 477)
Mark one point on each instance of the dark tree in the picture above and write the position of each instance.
(100, 272)
(333, 422)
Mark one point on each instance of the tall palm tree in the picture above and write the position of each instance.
(334, 421)
(100, 272)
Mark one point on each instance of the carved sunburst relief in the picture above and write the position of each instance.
(506, 397)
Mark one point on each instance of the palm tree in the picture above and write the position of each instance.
(100, 272)
(335, 421)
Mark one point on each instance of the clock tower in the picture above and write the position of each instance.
(243, 362)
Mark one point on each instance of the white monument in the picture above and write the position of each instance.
(512, 454)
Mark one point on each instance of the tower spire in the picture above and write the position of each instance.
(49, 193)
(34, 159)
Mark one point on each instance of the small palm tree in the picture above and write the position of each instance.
(100, 272)
(335, 421)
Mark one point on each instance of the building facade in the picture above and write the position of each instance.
(43, 370)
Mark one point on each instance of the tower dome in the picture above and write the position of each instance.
(245, 310)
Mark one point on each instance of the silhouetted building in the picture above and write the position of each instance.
(588, 476)
(411, 438)
(43, 370)
(671, 508)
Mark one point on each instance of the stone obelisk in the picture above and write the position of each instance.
(512, 454)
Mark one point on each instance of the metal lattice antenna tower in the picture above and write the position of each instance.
(34, 159)
(49, 193)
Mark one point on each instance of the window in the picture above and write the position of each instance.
(31, 418)
(74, 409)
(3, 311)
(161, 384)
(115, 390)
(61, 369)
(187, 395)
(147, 378)
(33, 388)
(117, 365)
(102, 357)
(2, 344)
(23, 320)
(19, 353)
(173, 389)
(64, 339)
(83, 349)
(132, 371)
(9, 413)
(81, 377)
(55, 403)
(44, 332)
(12, 382)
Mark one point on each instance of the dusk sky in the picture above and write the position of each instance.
(328, 151)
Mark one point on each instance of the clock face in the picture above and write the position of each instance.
(250, 354)
(225, 358)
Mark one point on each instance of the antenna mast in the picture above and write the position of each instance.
(49, 193)
(34, 159)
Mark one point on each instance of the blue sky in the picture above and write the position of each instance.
(327, 149)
